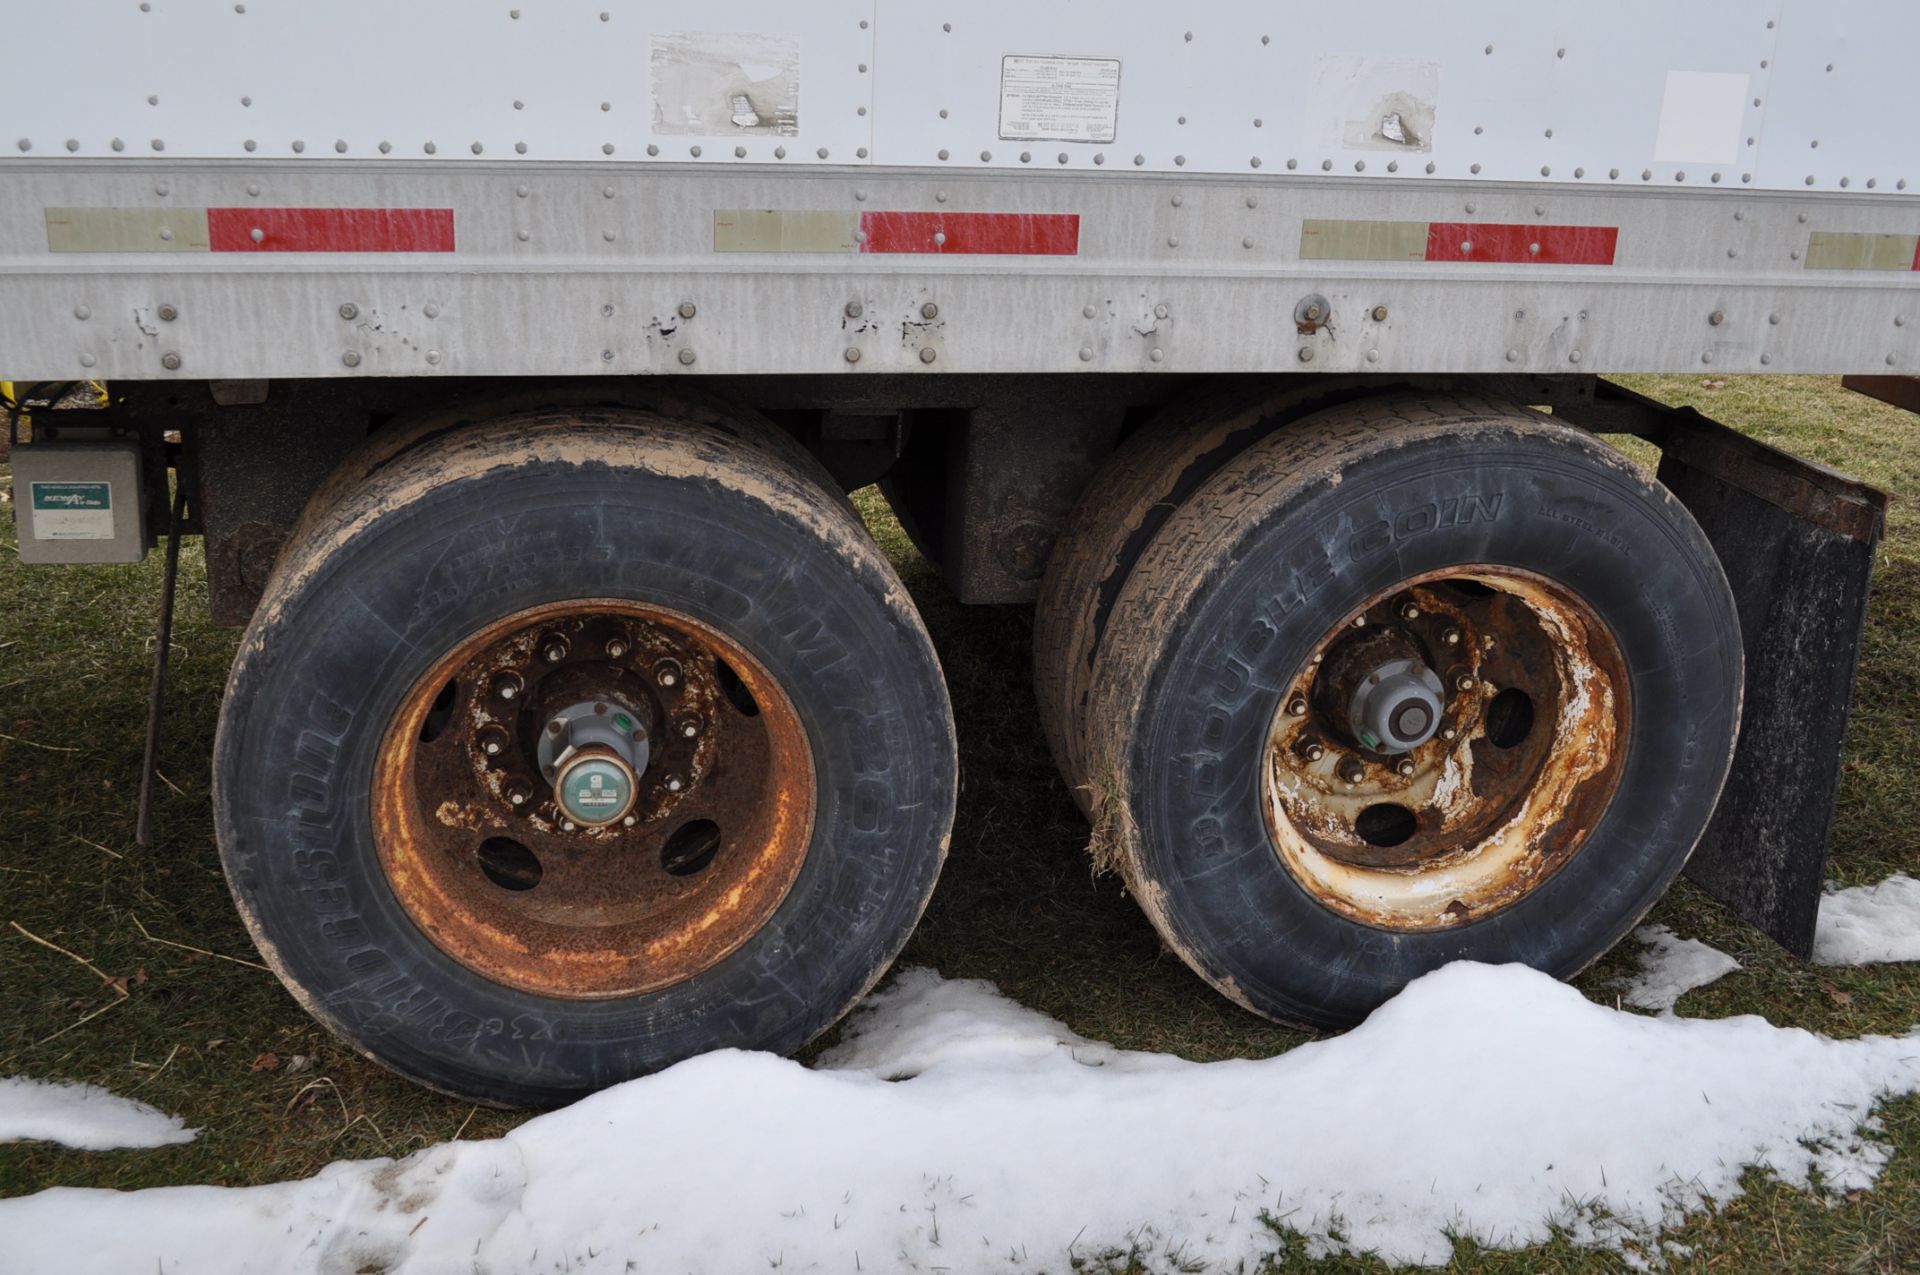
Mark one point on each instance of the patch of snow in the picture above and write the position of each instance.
(1869, 923)
(1670, 967)
(82, 1116)
(1484, 1101)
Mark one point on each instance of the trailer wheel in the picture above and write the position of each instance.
(568, 745)
(1409, 682)
(1115, 519)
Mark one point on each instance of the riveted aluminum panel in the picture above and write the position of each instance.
(571, 270)
(1772, 94)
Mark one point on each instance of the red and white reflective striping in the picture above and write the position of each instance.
(383, 230)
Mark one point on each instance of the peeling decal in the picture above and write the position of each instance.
(724, 83)
(1376, 103)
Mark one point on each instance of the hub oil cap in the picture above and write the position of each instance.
(595, 787)
(1397, 707)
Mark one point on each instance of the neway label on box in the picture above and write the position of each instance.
(73, 511)
(1046, 99)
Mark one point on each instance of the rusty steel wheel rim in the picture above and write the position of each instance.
(515, 876)
(1446, 749)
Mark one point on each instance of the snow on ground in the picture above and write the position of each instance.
(957, 1130)
(1670, 967)
(1870, 923)
(82, 1116)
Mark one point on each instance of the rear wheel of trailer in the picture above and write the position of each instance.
(572, 744)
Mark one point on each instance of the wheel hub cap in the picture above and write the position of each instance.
(1397, 707)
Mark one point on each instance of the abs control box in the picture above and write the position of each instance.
(77, 501)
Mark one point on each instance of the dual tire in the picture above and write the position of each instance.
(1230, 562)
(378, 888)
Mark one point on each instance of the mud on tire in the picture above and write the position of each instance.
(718, 530)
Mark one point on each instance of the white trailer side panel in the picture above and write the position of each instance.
(487, 189)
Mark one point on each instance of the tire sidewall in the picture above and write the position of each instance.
(1547, 502)
(323, 674)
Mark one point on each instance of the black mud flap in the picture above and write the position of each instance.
(1797, 542)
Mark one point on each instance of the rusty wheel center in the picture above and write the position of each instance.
(1446, 748)
(593, 799)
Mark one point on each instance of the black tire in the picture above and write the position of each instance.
(1198, 657)
(1129, 500)
(445, 536)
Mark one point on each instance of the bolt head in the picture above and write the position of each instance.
(1352, 770)
(929, 311)
(686, 357)
(1465, 682)
(686, 310)
(668, 679)
(171, 362)
(927, 355)
(167, 313)
(1451, 637)
(1409, 611)
(566, 825)
(492, 747)
(1359, 621)
(508, 690)
(349, 310)
(1379, 314)
(616, 649)
(689, 730)
(1449, 733)
(555, 654)
(555, 726)
(673, 785)
(1297, 706)
(853, 354)
(1313, 752)
(855, 309)
(517, 798)
(1404, 766)
(629, 821)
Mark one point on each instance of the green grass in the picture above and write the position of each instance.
(214, 1039)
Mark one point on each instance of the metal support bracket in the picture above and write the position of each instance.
(1797, 541)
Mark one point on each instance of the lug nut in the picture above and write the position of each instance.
(566, 825)
(629, 821)
(1449, 733)
(1451, 637)
(517, 792)
(673, 783)
(668, 674)
(1313, 752)
(1465, 682)
(689, 730)
(1404, 766)
(1409, 611)
(616, 648)
(508, 685)
(1297, 706)
(1359, 621)
(493, 741)
(555, 649)
(1353, 770)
